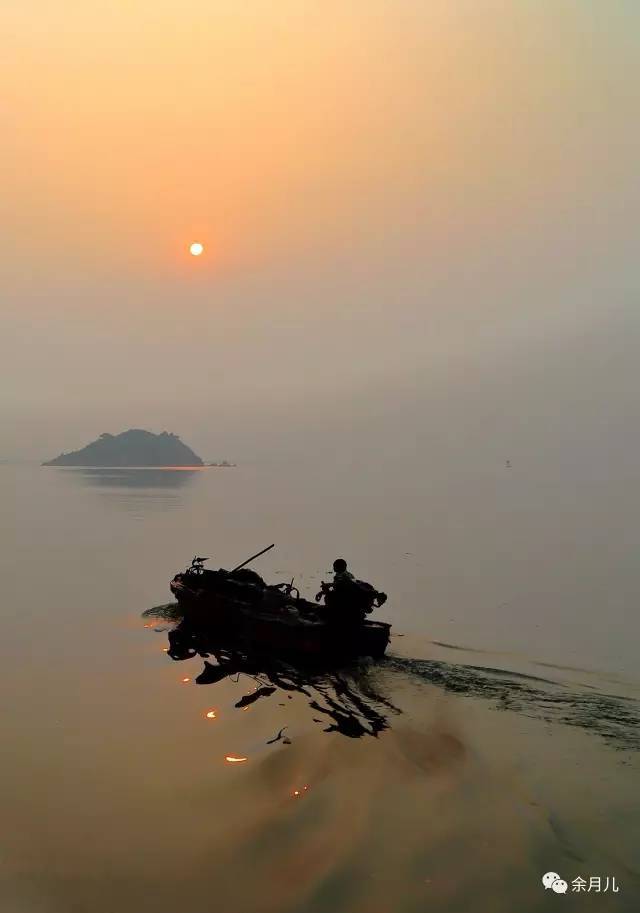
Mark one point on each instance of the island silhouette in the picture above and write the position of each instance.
(131, 448)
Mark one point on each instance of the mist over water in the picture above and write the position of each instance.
(453, 774)
(414, 327)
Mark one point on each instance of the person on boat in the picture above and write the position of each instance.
(340, 573)
(360, 590)
(347, 600)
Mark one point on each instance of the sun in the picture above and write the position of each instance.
(196, 249)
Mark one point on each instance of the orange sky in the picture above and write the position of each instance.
(134, 127)
(370, 161)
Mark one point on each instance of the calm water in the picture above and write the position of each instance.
(499, 741)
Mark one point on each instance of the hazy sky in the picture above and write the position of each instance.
(419, 215)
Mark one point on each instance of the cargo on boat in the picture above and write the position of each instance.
(238, 607)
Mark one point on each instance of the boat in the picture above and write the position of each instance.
(238, 608)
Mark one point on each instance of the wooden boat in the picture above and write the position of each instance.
(239, 607)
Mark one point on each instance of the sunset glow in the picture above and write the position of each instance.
(287, 281)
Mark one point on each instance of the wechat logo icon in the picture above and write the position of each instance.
(552, 880)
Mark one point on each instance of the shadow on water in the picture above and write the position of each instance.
(349, 701)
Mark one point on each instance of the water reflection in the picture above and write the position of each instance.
(344, 699)
(138, 491)
(131, 477)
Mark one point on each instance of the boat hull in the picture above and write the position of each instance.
(262, 622)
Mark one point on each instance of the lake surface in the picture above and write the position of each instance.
(497, 742)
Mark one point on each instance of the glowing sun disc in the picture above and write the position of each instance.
(196, 249)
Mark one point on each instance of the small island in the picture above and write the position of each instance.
(135, 448)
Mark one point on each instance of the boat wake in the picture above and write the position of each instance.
(615, 718)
